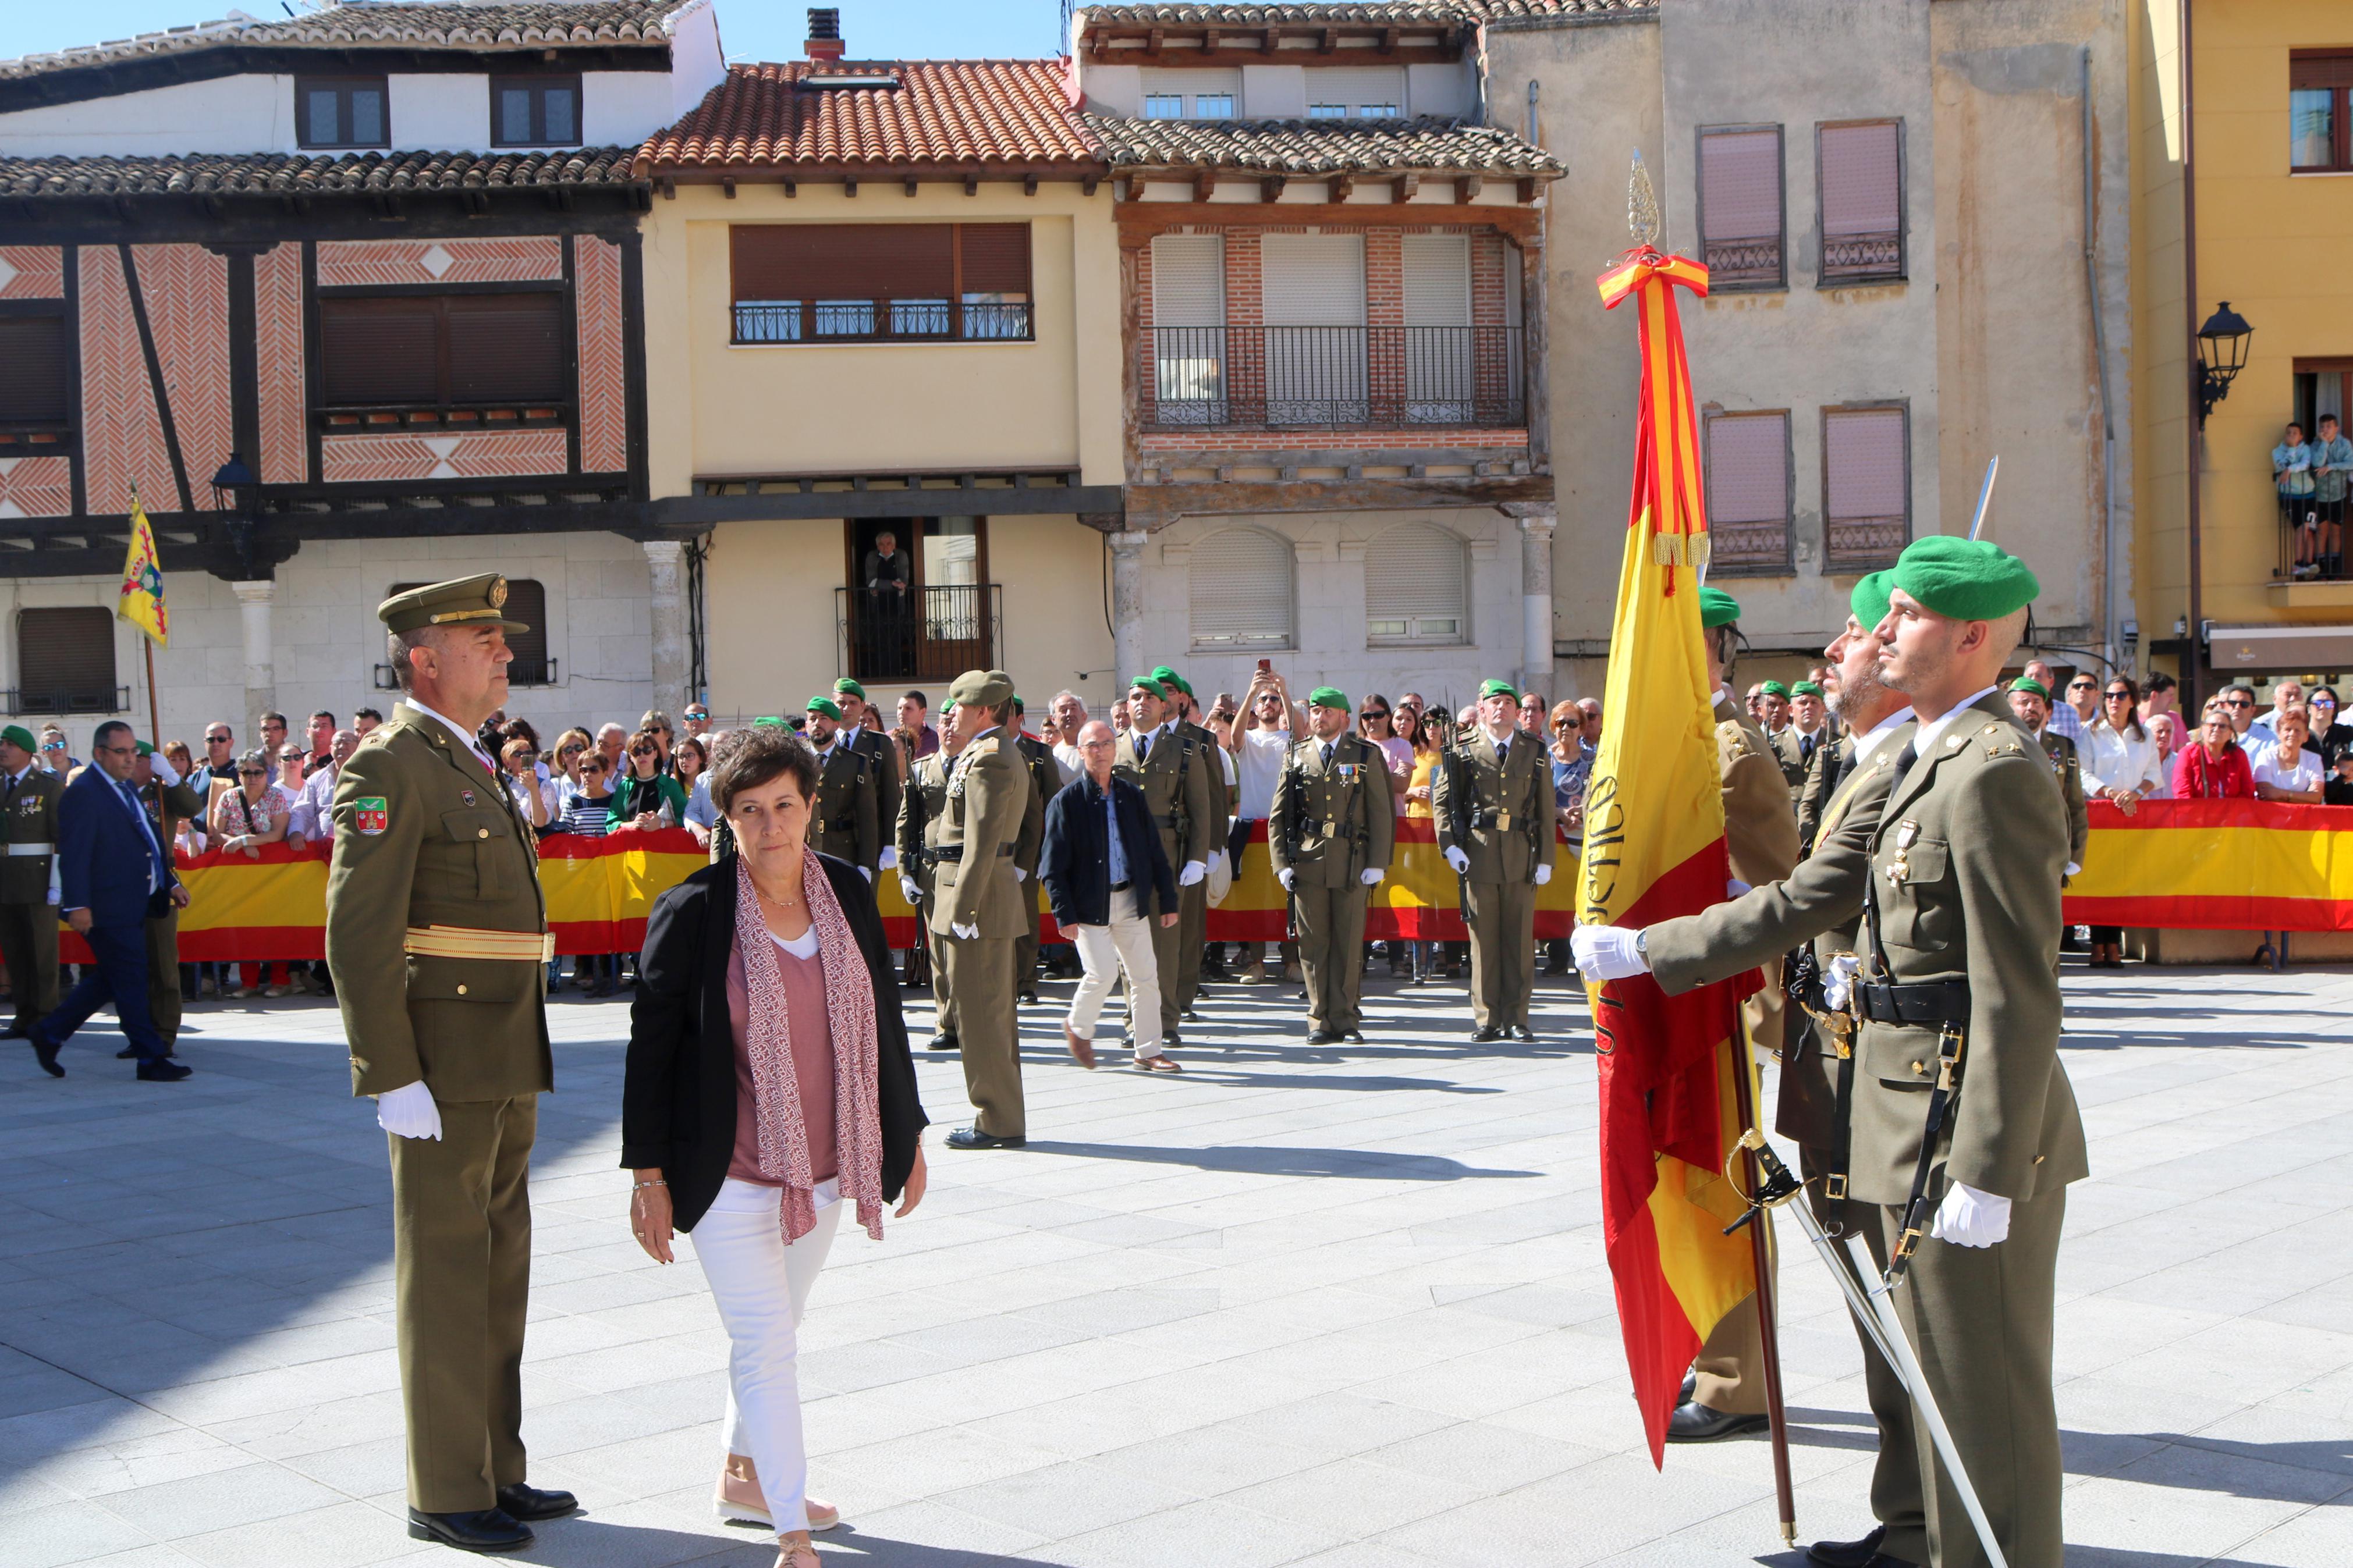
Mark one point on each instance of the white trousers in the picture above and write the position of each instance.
(760, 1286)
(1125, 943)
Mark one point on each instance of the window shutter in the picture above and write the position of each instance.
(996, 257)
(1417, 586)
(507, 348)
(1242, 591)
(1188, 280)
(841, 261)
(1748, 490)
(37, 387)
(1862, 179)
(1312, 280)
(65, 661)
(527, 602)
(1367, 90)
(378, 351)
(1437, 279)
(1740, 183)
(1866, 499)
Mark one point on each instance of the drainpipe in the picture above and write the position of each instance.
(2109, 594)
(2193, 661)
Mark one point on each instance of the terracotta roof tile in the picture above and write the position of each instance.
(1431, 144)
(1367, 13)
(954, 112)
(283, 173)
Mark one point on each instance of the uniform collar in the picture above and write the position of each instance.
(465, 736)
(1934, 729)
(1866, 745)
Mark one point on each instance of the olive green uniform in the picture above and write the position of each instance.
(426, 837)
(1499, 812)
(989, 801)
(846, 818)
(1193, 902)
(921, 806)
(1824, 774)
(882, 752)
(1175, 778)
(1333, 820)
(1796, 757)
(1046, 779)
(28, 921)
(2070, 775)
(166, 808)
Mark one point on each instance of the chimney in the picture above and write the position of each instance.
(824, 34)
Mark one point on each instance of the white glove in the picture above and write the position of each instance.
(54, 895)
(2072, 870)
(410, 1111)
(1371, 876)
(165, 773)
(1968, 1217)
(909, 892)
(1606, 953)
(1837, 980)
(867, 875)
(890, 860)
(1543, 873)
(1193, 872)
(1459, 860)
(1284, 877)
(1019, 875)
(969, 933)
(1734, 886)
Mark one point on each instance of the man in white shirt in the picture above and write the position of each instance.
(1261, 740)
(2284, 770)
(1069, 717)
(312, 818)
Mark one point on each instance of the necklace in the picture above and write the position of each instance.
(780, 903)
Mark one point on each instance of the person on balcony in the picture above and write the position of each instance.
(2291, 473)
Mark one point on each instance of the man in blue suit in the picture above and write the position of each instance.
(114, 873)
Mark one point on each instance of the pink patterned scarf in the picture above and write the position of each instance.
(767, 1029)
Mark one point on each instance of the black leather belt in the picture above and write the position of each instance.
(1942, 1001)
(1121, 887)
(956, 851)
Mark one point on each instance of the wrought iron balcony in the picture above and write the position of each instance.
(932, 632)
(1864, 544)
(881, 320)
(1744, 263)
(1380, 378)
(1863, 258)
(63, 700)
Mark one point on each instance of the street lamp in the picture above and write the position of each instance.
(234, 476)
(2222, 354)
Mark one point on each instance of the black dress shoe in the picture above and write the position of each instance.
(1030, 998)
(526, 1502)
(1848, 1553)
(128, 1053)
(1697, 1422)
(485, 1530)
(973, 1138)
(163, 1069)
(1690, 1386)
(19, 1030)
(1486, 1033)
(1523, 1032)
(1324, 1037)
(944, 1043)
(48, 1054)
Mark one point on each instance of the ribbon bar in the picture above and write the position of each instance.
(465, 941)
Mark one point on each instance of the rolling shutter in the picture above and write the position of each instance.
(1188, 280)
(378, 351)
(37, 387)
(1240, 589)
(1437, 279)
(1863, 464)
(1748, 468)
(65, 661)
(1312, 280)
(996, 257)
(1417, 586)
(844, 260)
(1740, 183)
(507, 348)
(1370, 91)
(1862, 179)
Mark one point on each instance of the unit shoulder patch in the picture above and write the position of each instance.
(371, 815)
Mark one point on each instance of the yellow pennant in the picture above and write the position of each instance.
(142, 599)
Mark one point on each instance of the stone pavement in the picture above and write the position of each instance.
(1331, 1307)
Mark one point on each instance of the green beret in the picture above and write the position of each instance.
(17, 735)
(1774, 689)
(145, 749)
(847, 686)
(981, 687)
(1806, 688)
(772, 722)
(1167, 676)
(2026, 682)
(825, 705)
(1019, 704)
(477, 600)
(1328, 697)
(1717, 609)
(1964, 579)
(1868, 600)
(1151, 684)
(1498, 687)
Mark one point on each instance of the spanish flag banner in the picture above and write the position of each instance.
(141, 601)
(1654, 848)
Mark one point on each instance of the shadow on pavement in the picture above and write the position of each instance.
(1268, 1160)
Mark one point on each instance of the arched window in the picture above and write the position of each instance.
(1243, 592)
(1417, 587)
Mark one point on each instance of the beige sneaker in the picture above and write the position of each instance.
(739, 1500)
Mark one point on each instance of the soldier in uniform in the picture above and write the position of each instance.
(922, 809)
(1192, 898)
(1046, 778)
(1332, 833)
(436, 933)
(1806, 733)
(1494, 814)
(167, 805)
(2029, 703)
(1173, 772)
(846, 816)
(1820, 901)
(976, 905)
(29, 896)
(866, 731)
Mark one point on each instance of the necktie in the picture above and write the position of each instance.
(1327, 754)
(1805, 747)
(1143, 748)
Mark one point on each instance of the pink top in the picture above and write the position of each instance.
(812, 1037)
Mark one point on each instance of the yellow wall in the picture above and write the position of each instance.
(2279, 248)
(718, 409)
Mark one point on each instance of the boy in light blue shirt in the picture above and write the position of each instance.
(2292, 472)
(2332, 475)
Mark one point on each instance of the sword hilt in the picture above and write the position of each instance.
(1778, 1187)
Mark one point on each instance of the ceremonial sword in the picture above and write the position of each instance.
(1985, 495)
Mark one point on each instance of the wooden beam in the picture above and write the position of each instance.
(792, 189)
(727, 184)
(1467, 188)
(1029, 184)
(669, 189)
(850, 187)
(972, 184)
(1204, 183)
(1528, 189)
(1269, 187)
(1329, 42)
(1087, 186)
(1390, 40)
(1341, 188)
(1405, 186)
(911, 185)
(1139, 221)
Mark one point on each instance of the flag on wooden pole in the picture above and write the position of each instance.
(142, 599)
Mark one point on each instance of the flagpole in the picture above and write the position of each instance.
(154, 723)
(1768, 1324)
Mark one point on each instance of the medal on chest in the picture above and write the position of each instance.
(1908, 833)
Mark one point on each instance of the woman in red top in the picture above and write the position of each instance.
(2216, 767)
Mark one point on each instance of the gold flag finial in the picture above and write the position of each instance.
(1641, 204)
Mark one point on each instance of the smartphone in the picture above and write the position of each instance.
(1266, 666)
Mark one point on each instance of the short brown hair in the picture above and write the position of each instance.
(759, 754)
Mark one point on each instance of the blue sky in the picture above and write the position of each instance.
(750, 29)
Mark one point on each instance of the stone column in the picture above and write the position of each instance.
(253, 601)
(1126, 606)
(1536, 525)
(664, 560)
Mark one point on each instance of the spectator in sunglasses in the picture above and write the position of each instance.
(1375, 722)
(2238, 705)
(55, 756)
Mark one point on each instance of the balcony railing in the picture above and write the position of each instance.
(1863, 258)
(1744, 263)
(1749, 548)
(1236, 377)
(932, 632)
(881, 320)
(1864, 544)
(35, 701)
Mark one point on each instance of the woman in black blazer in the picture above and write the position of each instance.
(763, 1178)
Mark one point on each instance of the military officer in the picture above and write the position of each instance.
(846, 816)
(2029, 703)
(1806, 733)
(1046, 778)
(922, 809)
(1821, 900)
(1494, 807)
(976, 905)
(29, 895)
(869, 731)
(435, 936)
(1192, 898)
(1331, 835)
(1173, 772)
(167, 805)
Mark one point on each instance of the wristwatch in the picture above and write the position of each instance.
(1642, 944)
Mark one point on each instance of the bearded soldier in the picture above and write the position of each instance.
(1173, 772)
(976, 905)
(1331, 834)
(922, 809)
(1494, 807)
(845, 814)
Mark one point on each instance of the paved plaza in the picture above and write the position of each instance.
(1343, 1307)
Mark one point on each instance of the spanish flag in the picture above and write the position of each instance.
(1654, 848)
(142, 599)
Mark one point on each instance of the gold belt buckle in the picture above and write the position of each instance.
(1331, 825)
(1834, 1187)
(1502, 821)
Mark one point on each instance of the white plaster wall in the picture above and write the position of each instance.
(697, 62)
(233, 114)
(621, 109)
(440, 112)
(1118, 89)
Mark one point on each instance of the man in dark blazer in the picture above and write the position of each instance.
(114, 874)
(1108, 879)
